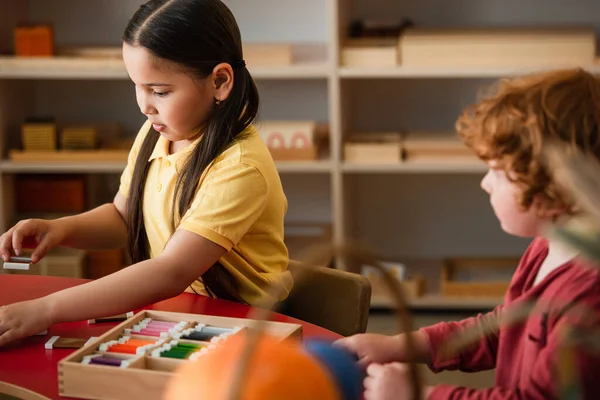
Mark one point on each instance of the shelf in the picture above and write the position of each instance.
(446, 72)
(87, 68)
(117, 167)
(474, 166)
(67, 168)
(437, 302)
(61, 68)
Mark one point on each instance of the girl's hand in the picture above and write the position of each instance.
(389, 382)
(42, 234)
(23, 319)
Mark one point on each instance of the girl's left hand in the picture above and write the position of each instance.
(23, 319)
(389, 382)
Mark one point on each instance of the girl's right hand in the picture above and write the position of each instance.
(43, 234)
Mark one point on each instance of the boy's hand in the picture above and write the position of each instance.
(44, 234)
(23, 319)
(373, 348)
(390, 382)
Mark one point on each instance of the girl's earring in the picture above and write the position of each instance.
(218, 102)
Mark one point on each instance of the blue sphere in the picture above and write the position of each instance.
(341, 364)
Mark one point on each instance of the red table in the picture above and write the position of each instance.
(29, 365)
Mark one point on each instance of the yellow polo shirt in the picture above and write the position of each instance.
(239, 204)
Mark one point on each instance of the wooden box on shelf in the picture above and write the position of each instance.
(64, 262)
(50, 193)
(293, 140)
(413, 285)
(148, 370)
(98, 52)
(78, 138)
(477, 277)
(267, 54)
(370, 52)
(428, 146)
(34, 41)
(373, 148)
(39, 136)
(493, 47)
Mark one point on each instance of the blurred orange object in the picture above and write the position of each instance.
(34, 41)
(277, 370)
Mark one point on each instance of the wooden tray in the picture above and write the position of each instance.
(482, 286)
(146, 376)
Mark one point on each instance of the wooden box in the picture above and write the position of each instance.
(64, 262)
(268, 54)
(370, 52)
(34, 41)
(101, 52)
(423, 47)
(373, 148)
(291, 140)
(146, 375)
(50, 194)
(477, 277)
(427, 146)
(413, 285)
(78, 138)
(39, 136)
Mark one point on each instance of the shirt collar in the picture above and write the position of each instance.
(161, 149)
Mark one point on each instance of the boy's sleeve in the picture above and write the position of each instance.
(127, 174)
(480, 357)
(228, 203)
(543, 381)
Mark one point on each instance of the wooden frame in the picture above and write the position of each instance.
(146, 376)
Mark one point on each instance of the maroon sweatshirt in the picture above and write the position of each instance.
(525, 355)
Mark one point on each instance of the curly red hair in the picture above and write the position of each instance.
(514, 122)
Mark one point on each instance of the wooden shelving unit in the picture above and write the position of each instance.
(406, 209)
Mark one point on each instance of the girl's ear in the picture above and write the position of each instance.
(222, 81)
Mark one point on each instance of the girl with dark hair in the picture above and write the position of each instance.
(200, 205)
